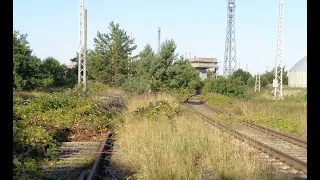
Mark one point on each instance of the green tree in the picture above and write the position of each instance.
(158, 68)
(142, 76)
(251, 82)
(269, 76)
(163, 72)
(112, 53)
(183, 78)
(243, 75)
(263, 81)
(26, 67)
(52, 72)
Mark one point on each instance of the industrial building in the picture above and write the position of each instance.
(203, 64)
(297, 76)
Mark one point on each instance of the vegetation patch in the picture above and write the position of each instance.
(161, 107)
(44, 121)
(184, 148)
(288, 115)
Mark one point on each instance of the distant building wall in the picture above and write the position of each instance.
(297, 79)
(203, 73)
(203, 64)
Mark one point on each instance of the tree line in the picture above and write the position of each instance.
(111, 62)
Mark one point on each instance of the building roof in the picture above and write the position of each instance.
(300, 65)
(201, 59)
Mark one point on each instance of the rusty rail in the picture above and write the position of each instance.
(99, 158)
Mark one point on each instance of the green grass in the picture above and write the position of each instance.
(288, 115)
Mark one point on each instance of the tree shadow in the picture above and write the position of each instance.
(62, 135)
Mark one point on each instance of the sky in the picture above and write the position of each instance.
(198, 27)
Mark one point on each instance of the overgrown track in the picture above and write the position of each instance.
(106, 150)
(294, 140)
(279, 145)
(79, 160)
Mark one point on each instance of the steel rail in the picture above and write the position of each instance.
(294, 140)
(296, 163)
(99, 158)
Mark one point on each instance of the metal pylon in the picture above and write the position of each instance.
(230, 63)
(81, 42)
(279, 58)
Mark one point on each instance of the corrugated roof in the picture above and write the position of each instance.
(300, 65)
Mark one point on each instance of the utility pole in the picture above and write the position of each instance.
(277, 82)
(238, 65)
(85, 53)
(247, 67)
(230, 63)
(159, 45)
(82, 74)
(81, 43)
(257, 84)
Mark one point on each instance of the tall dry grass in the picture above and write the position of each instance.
(180, 148)
(144, 99)
(24, 95)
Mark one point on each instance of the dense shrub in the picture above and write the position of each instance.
(136, 85)
(244, 76)
(226, 86)
(58, 117)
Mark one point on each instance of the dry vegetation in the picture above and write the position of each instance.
(142, 100)
(26, 95)
(182, 147)
(288, 115)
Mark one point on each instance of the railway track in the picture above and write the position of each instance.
(294, 140)
(78, 160)
(288, 149)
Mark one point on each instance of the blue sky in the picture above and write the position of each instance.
(198, 27)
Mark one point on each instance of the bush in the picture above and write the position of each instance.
(244, 76)
(28, 136)
(226, 86)
(161, 107)
(58, 117)
(136, 85)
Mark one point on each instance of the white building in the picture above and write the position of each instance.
(297, 75)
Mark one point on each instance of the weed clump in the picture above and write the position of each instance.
(161, 107)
